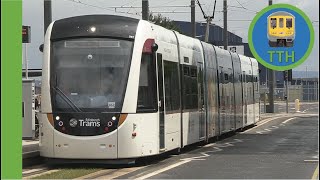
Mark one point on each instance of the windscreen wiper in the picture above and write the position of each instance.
(67, 100)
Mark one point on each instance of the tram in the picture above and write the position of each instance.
(118, 88)
(281, 29)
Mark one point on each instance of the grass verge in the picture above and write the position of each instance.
(67, 173)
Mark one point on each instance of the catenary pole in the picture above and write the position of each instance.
(271, 77)
(193, 19)
(225, 24)
(47, 14)
(145, 10)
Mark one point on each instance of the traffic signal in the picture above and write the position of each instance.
(287, 75)
(26, 34)
(290, 75)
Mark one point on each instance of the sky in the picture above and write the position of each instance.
(240, 14)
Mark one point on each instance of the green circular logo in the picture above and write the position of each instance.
(281, 37)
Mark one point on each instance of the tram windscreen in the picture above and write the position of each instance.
(289, 23)
(281, 22)
(89, 74)
(273, 22)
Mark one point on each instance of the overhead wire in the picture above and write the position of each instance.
(113, 9)
(208, 8)
(245, 7)
(128, 3)
(100, 7)
(168, 2)
(204, 14)
(139, 7)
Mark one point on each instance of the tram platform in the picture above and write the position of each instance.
(30, 149)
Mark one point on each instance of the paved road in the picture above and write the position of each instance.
(281, 148)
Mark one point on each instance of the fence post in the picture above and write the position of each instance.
(264, 102)
(297, 105)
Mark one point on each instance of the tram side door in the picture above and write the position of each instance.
(161, 101)
(201, 107)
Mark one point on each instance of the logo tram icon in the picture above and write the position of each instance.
(281, 29)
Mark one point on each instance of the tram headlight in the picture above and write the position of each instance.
(93, 29)
(57, 118)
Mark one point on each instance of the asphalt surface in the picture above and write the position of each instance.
(283, 148)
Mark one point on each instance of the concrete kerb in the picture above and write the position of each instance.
(30, 149)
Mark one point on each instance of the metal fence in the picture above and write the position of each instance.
(306, 92)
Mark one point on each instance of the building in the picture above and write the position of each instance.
(215, 31)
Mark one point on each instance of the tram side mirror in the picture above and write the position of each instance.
(154, 47)
(41, 47)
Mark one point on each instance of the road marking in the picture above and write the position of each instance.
(261, 124)
(209, 145)
(284, 122)
(216, 148)
(267, 130)
(316, 173)
(311, 160)
(32, 170)
(162, 170)
(119, 173)
(40, 174)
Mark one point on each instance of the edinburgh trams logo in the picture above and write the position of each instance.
(87, 122)
(281, 37)
(73, 122)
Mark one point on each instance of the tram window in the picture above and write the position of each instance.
(171, 79)
(186, 71)
(193, 72)
(289, 23)
(186, 59)
(281, 22)
(190, 89)
(273, 22)
(147, 87)
(100, 72)
(226, 77)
